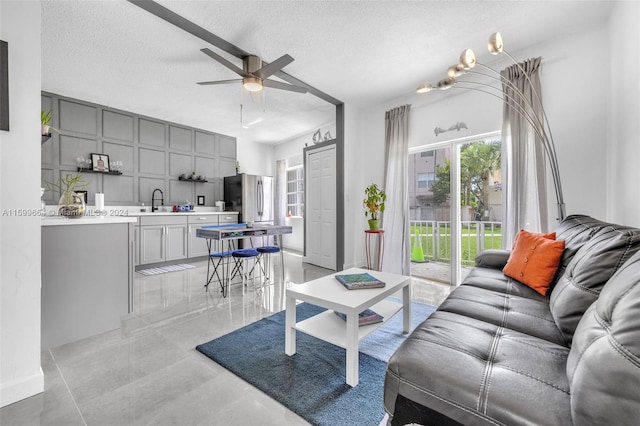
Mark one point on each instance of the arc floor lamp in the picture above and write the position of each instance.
(518, 101)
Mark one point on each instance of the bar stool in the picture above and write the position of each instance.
(216, 260)
(266, 252)
(242, 257)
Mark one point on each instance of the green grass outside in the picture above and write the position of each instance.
(492, 239)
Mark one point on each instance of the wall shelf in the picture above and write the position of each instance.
(89, 170)
(45, 138)
(188, 179)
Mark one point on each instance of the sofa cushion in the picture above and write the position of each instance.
(590, 268)
(603, 366)
(575, 230)
(495, 280)
(529, 315)
(534, 259)
(479, 373)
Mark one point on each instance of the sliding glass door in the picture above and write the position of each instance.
(455, 200)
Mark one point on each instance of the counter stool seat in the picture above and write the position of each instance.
(266, 265)
(242, 257)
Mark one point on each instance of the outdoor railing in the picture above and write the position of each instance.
(431, 239)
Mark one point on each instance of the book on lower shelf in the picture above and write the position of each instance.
(368, 316)
(357, 281)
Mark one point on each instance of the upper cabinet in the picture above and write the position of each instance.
(154, 153)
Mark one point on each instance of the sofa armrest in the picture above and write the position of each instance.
(492, 258)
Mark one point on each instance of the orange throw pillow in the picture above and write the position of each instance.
(534, 259)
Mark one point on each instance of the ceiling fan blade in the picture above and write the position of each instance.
(275, 66)
(224, 62)
(283, 86)
(209, 83)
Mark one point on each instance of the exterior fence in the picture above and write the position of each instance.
(431, 240)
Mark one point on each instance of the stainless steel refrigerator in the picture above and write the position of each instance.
(251, 196)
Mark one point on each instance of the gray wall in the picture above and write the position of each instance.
(153, 152)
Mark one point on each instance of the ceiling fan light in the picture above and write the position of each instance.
(467, 59)
(495, 44)
(252, 84)
(424, 88)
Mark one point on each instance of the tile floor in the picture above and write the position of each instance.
(149, 373)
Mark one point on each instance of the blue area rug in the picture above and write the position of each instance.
(311, 382)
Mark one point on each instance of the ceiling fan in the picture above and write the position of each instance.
(254, 74)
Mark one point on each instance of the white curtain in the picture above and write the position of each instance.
(395, 219)
(523, 165)
(280, 210)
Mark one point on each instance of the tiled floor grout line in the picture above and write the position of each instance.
(66, 385)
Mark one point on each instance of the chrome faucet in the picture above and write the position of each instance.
(153, 199)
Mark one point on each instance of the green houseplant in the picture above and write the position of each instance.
(374, 204)
(45, 120)
(71, 204)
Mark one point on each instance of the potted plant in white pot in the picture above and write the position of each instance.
(374, 204)
(45, 120)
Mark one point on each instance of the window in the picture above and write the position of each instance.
(295, 191)
(426, 154)
(425, 180)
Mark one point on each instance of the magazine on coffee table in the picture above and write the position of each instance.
(357, 281)
(368, 316)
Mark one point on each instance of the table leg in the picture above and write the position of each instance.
(352, 349)
(289, 327)
(406, 308)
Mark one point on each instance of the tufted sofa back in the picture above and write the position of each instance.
(603, 366)
(589, 269)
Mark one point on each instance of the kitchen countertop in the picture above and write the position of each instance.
(167, 213)
(126, 217)
(86, 220)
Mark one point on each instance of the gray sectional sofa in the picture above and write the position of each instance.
(498, 353)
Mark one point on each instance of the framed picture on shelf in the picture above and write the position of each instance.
(100, 162)
(83, 194)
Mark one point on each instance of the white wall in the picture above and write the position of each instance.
(624, 130)
(255, 158)
(291, 150)
(20, 372)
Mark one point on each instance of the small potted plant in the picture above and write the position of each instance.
(45, 119)
(374, 204)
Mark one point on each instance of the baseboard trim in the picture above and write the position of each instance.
(20, 389)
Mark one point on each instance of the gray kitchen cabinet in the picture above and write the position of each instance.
(162, 238)
(152, 244)
(176, 242)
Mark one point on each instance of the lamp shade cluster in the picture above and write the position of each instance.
(515, 99)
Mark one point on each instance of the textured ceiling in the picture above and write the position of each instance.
(364, 53)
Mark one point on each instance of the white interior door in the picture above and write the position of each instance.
(320, 207)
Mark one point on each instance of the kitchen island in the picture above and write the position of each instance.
(87, 276)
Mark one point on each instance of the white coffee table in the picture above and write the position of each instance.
(328, 293)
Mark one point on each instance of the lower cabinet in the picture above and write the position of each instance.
(163, 238)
